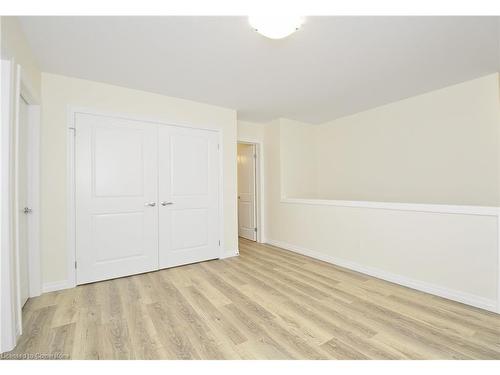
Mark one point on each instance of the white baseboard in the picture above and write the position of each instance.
(54, 286)
(230, 254)
(466, 298)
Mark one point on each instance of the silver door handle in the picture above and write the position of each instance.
(150, 204)
(27, 210)
(166, 203)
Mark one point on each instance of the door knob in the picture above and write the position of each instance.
(27, 210)
(150, 204)
(166, 203)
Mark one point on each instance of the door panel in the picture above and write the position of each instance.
(116, 177)
(189, 228)
(116, 236)
(189, 167)
(188, 192)
(246, 192)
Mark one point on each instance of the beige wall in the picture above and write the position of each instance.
(298, 153)
(15, 46)
(453, 255)
(297, 156)
(58, 93)
(250, 131)
(441, 147)
(438, 148)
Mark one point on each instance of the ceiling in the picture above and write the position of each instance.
(332, 67)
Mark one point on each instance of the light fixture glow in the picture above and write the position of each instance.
(275, 27)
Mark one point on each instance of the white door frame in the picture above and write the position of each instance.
(24, 90)
(9, 314)
(15, 86)
(71, 198)
(35, 274)
(259, 186)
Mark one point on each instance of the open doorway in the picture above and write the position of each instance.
(248, 192)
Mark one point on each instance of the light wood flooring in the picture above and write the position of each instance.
(267, 303)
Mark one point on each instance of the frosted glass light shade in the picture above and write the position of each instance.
(275, 27)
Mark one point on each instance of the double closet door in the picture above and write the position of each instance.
(146, 196)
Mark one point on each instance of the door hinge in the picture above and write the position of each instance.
(218, 146)
(219, 242)
(255, 156)
(255, 229)
(75, 265)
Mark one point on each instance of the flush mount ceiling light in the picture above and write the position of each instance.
(275, 27)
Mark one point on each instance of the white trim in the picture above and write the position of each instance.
(418, 207)
(455, 295)
(70, 183)
(15, 203)
(28, 92)
(130, 116)
(70, 207)
(34, 156)
(8, 334)
(498, 265)
(18, 86)
(56, 285)
(24, 92)
(33, 192)
(221, 196)
(256, 187)
(260, 196)
(35, 272)
(230, 254)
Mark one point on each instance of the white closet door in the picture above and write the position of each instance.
(116, 197)
(188, 193)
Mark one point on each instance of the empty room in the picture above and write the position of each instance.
(250, 187)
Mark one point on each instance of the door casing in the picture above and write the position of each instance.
(16, 85)
(71, 201)
(23, 199)
(33, 191)
(244, 198)
(259, 183)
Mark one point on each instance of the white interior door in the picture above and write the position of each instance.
(188, 193)
(116, 172)
(246, 192)
(22, 196)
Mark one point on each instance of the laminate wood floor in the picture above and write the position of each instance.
(267, 303)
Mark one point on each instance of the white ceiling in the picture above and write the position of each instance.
(332, 67)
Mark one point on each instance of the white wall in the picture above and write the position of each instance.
(59, 92)
(441, 147)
